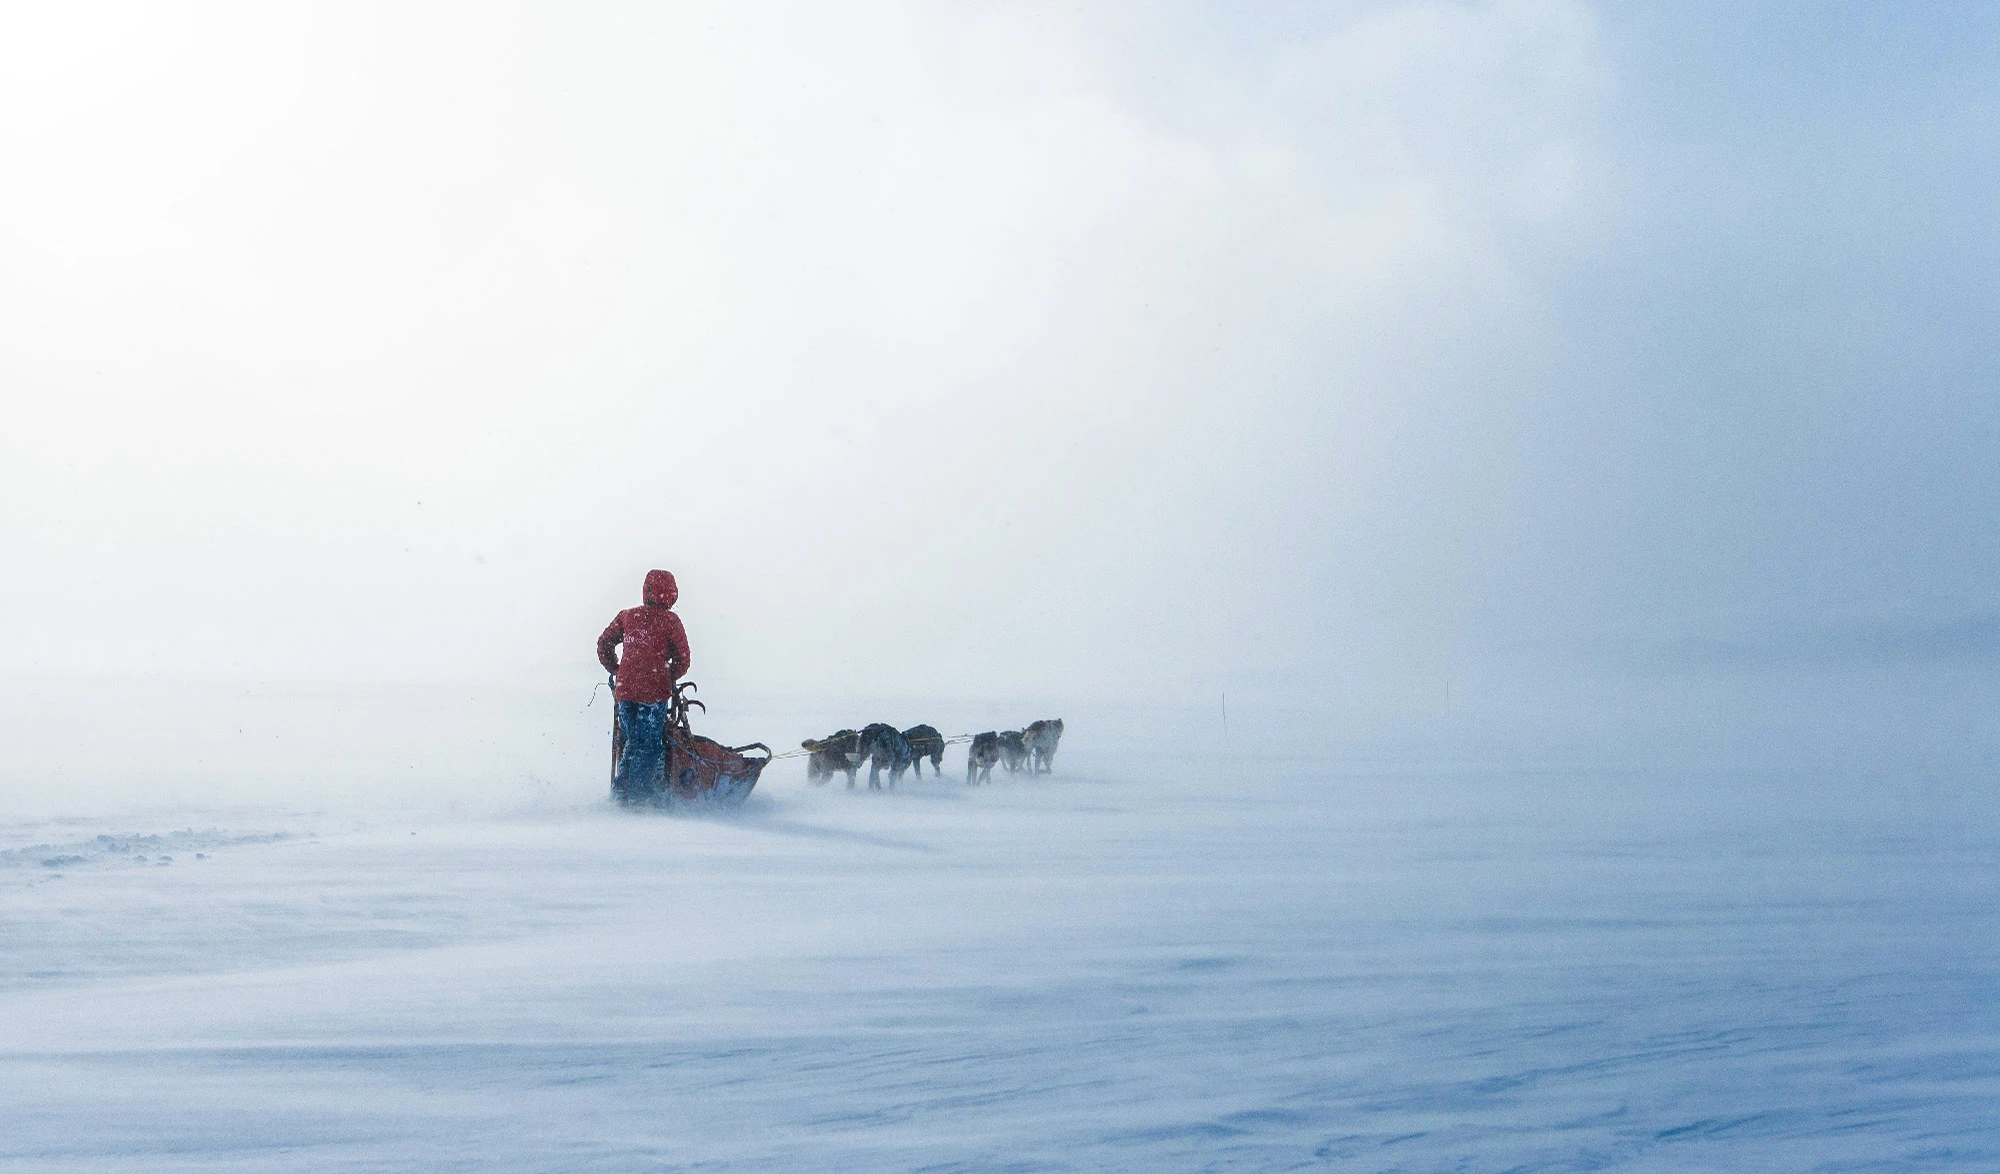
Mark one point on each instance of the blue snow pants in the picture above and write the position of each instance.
(642, 762)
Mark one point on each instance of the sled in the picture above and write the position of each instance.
(701, 772)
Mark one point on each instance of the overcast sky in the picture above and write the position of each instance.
(1121, 349)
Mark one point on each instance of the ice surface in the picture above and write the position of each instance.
(1154, 960)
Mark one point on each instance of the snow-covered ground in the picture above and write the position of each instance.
(1154, 960)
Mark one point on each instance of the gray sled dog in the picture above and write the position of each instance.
(926, 742)
(886, 749)
(1042, 738)
(1013, 751)
(980, 758)
(834, 754)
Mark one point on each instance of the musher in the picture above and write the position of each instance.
(656, 655)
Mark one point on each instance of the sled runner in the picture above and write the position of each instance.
(699, 771)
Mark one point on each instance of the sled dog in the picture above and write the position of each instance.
(834, 754)
(980, 759)
(1041, 739)
(1013, 751)
(886, 749)
(925, 742)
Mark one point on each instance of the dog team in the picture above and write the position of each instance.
(884, 748)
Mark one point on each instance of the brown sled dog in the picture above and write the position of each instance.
(838, 753)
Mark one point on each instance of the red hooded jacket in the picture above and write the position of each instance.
(656, 646)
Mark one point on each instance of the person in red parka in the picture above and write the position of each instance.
(656, 655)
